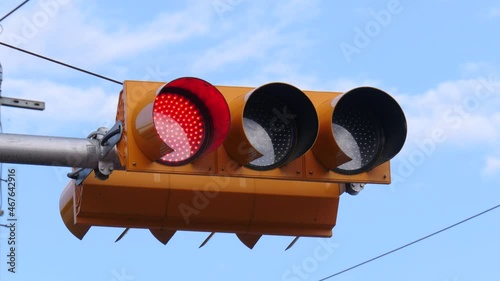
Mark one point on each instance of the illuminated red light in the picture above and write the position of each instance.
(181, 121)
(173, 115)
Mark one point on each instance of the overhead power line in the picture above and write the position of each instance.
(15, 9)
(411, 243)
(62, 63)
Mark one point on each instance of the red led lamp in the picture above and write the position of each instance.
(180, 125)
(191, 117)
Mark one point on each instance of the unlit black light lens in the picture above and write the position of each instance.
(369, 126)
(269, 131)
(358, 135)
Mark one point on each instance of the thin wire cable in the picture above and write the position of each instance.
(15, 9)
(62, 63)
(411, 243)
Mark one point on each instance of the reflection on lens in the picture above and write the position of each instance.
(358, 135)
(349, 146)
(269, 131)
(261, 141)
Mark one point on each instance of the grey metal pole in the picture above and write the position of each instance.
(52, 151)
(1, 79)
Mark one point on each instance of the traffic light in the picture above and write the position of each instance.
(251, 161)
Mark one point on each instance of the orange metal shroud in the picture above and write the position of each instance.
(201, 203)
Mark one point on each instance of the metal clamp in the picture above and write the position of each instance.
(107, 140)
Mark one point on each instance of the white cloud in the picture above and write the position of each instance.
(466, 111)
(67, 108)
(292, 11)
(98, 46)
(258, 32)
(494, 13)
(73, 29)
(474, 68)
(242, 48)
(261, 34)
(492, 166)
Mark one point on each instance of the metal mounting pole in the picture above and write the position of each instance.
(53, 151)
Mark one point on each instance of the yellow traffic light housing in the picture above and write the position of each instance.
(271, 126)
(363, 128)
(197, 203)
(169, 125)
(267, 160)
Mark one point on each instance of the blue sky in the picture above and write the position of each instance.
(439, 59)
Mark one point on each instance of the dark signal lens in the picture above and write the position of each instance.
(280, 122)
(369, 127)
(180, 124)
(358, 135)
(271, 136)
